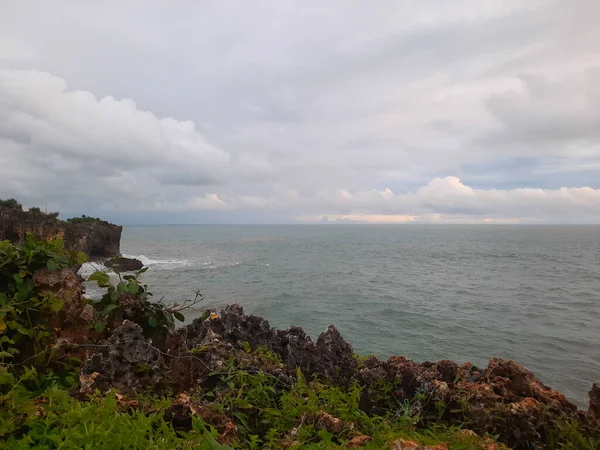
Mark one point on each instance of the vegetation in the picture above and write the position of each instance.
(151, 315)
(39, 407)
(85, 219)
(25, 315)
(11, 203)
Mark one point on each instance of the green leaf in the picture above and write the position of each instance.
(141, 271)
(52, 264)
(179, 316)
(6, 378)
(56, 304)
(132, 288)
(99, 327)
(102, 278)
(152, 321)
(109, 309)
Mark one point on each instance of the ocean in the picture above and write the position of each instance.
(429, 292)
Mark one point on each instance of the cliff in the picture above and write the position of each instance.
(96, 239)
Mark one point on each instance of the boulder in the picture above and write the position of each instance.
(122, 264)
(594, 409)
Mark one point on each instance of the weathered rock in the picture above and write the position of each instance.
(96, 239)
(594, 409)
(359, 441)
(72, 322)
(505, 399)
(448, 370)
(126, 361)
(324, 421)
(124, 264)
(184, 409)
(405, 444)
(335, 360)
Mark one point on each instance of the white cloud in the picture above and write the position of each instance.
(56, 136)
(341, 109)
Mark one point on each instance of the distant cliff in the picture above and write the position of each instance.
(95, 238)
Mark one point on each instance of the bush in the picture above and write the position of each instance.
(11, 203)
(23, 311)
(85, 219)
(35, 210)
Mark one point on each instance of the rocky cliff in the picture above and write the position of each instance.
(96, 239)
(503, 400)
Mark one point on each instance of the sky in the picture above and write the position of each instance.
(303, 111)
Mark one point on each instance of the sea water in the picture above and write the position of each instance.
(466, 293)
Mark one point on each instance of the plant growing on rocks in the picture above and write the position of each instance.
(27, 315)
(130, 299)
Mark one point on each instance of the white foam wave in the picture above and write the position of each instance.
(89, 268)
(162, 263)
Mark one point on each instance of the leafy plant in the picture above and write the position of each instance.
(24, 312)
(130, 297)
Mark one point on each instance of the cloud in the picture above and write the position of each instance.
(54, 134)
(286, 111)
(449, 200)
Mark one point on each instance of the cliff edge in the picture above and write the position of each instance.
(94, 238)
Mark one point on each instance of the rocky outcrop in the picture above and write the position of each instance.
(503, 399)
(96, 239)
(122, 264)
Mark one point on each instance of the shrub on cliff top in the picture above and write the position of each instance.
(85, 219)
(11, 203)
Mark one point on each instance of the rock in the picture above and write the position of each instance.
(404, 444)
(95, 239)
(521, 379)
(183, 410)
(325, 421)
(505, 399)
(440, 446)
(66, 285)
(122, 264)
(594, 409)
(335, 358)
(448, 370)
(359, 441)
(127, 362)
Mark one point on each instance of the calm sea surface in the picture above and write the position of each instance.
(467, 293)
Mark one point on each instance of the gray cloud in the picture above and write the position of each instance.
(294, 111)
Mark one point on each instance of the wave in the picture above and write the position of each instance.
(219, 265)
(163, 263)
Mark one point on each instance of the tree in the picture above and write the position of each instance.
(35, 210)
(11, 203)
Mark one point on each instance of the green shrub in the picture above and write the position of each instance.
(152, 316)
(11, 203)
(23, 311)
(85, 219)
(54, 419)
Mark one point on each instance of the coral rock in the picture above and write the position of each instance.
(359, 441)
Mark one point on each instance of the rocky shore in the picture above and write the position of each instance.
(230, 380)
(503, 399)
